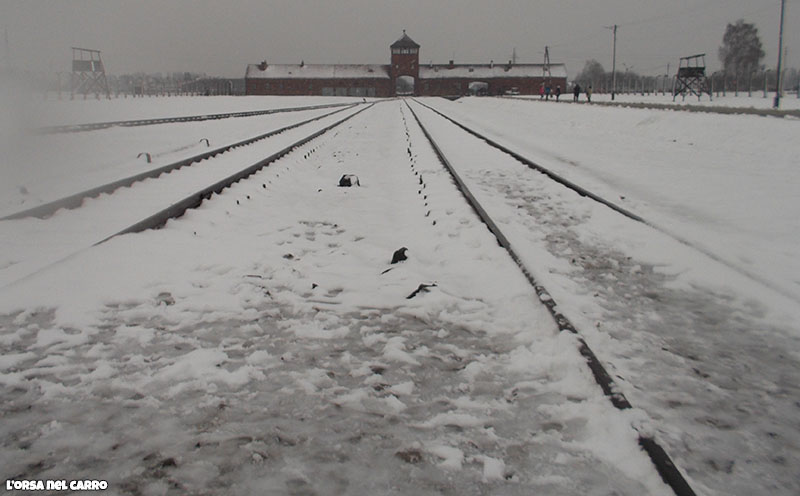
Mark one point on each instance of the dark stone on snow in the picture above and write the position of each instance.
(165, 298)
(423, 288)
(399, 255)
(348, 180)
(409, 456)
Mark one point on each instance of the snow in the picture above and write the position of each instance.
(315, 71)
(480, 71)
(726, 102)
(695, 317)
(38, 112)
(733, 206)
(258, 344)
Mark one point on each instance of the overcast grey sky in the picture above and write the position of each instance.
(220, 37)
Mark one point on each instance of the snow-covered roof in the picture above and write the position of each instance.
(404, 42)
(316, 71)
(487, 71)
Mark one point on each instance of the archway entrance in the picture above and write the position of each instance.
(405, 85)
(478, 88)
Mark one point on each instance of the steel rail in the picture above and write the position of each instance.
(666, 468)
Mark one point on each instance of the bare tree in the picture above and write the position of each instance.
(741, 51)
(592, 73)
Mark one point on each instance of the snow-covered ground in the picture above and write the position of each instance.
(708, 344)
(54, 112)
(728, 184)
(42, 168)
(757, 101)
(260, 347)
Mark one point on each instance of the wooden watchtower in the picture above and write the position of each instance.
(691, 77)
(88, 73)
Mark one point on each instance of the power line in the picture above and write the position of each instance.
(669, 15)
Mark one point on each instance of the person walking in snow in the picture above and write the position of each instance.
(558, 92)
(547, 91)
(576, 92)
(589, 94)
(541, 91)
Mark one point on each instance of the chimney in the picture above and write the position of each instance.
(451, 65)
(263, 66)
(302, 63)
(491, 64)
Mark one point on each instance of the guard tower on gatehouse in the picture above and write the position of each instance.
(404, 71)
(691, 77)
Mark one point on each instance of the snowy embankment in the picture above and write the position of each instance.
(260, 345)
(710, 353)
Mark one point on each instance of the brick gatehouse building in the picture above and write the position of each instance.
(404, 76)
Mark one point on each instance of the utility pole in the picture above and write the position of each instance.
(614, 62)
(778, 81)
(546, 74)
(7, 51)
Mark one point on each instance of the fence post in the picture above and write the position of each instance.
(765, 84)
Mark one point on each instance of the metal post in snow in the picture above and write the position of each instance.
(778, 78)
(766, 83)
(614, 63)
(777, 102)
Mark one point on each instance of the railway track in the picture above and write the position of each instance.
(643, 319)
(437, 215)
(75, 200)
(661, 460)
(93, 126)
(151, 198)
(432, 216)
(627, 213)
